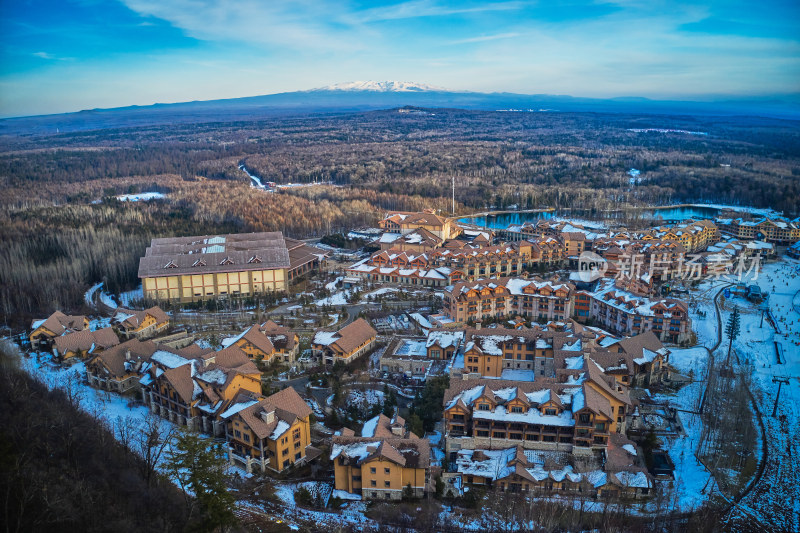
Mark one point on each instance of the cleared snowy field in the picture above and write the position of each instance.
(775, 502)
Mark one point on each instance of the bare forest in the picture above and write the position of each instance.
(62, 229)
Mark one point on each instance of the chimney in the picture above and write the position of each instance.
(268, 416)
(477, 325)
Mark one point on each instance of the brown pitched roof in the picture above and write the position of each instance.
(291, 402)
(387, 451)
(181, 380)
(135, 318)
(115, 357)
(286, 404)
(597, 402)
(607, 383)
(85, 340)
(192, 351)
(635, 345)
(411, 453)
(427, 219)
(257, 339)
(234, 358)
(59, 323)
(214, 253)
(354, 335)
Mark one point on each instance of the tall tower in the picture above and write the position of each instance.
(454, 195)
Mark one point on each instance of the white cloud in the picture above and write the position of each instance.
(484, 38)
(303, 25)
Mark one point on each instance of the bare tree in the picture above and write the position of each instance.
(153, 439)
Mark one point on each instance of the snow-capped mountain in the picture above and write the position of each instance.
(383, 87)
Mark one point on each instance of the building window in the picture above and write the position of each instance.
(357, 478)
(372, 470)
(516, 409)
(373, 483)
(387, 484)
(385, 470)
(483, 406)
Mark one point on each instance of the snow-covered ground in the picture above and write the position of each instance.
(692, 480)
(108, 407)
(379, 292)
(141, 197)
(339, 298)
(352, 514)
(775, 502)
(689, 360)
(126, 299)
(108, 300)
(89, 296)
(332, 285)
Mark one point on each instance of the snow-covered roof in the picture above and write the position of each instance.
(445, 339)
(325, 338)
(370, 426)
(169, 359)
(235, 408)
(279, 430)
(355, 450)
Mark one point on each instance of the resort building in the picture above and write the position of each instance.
(267, 343)
(494, 298)
(141, 324)
(81, 344)
(695, 236)
(44, 331)
(119, 368)
(187, 269)
(381, 468)
(405, 222)
(272, 433)
(345, 345)
(577, 416)
(194, 391)
(539, 472)
(625, 313)
(776, 230)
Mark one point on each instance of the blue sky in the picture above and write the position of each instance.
(67, 55)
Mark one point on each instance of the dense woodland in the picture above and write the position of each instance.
(61, 229)
(62, 470)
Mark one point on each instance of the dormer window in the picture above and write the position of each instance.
(516, 409)
(550, 412)
(226, 261)
(171, 264)
(483, 406)
(254, 259)
(199, 263)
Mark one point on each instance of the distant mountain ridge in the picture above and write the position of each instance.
(359, 96)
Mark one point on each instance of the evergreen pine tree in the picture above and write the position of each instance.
(199, 469)
(732, 330)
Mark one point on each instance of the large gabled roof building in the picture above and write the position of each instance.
(186, 269)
